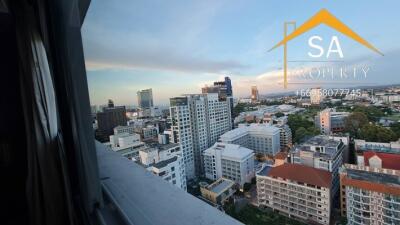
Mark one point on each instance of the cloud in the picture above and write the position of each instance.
(101, 56)
(174, 41)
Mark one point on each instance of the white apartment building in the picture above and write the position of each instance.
(197, 122)
(261, 138)
(329, 121)
(370, 195)
(297, 191)
(166, 161)
(126, 144)
(285, 136)
(230, 161)
(321, 152)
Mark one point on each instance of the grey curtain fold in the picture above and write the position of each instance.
(63, 185)
(48, 188)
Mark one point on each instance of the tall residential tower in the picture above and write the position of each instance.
(197, 122)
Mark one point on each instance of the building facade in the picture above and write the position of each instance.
(316, 96)
(297, 191)
(229, 161)
(145, 98)
(370, 194)
(165, 161)
(261, 138)
(321, 152)
(285, 136)
(126, 144)
(329, 121)
(254, 94)
(196, 123)
(224, 91)
(110, 118)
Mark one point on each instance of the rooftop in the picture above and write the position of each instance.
(220, 185)
(163, 147)
(299, 173)
(381, 178)
(164, 163)
(389, 161)
(248, 129)
(281, 155)
(331, 146)
(230, 150)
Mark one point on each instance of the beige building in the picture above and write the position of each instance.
(329, 121)
(254, 94)
(297, 191)
(219, 191)
(316, 96)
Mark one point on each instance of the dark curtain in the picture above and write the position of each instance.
(63, 184)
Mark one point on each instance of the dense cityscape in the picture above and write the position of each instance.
(210, 112)
(288, 159)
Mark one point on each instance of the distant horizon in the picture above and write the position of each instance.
(284, 93)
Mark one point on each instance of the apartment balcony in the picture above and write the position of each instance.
(135, 196)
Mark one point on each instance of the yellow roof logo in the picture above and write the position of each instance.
(322, 17)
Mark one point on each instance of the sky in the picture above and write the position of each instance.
(176, 47)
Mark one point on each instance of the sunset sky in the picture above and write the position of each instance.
(176, 47)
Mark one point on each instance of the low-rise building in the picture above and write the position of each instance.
(124, 129)
(166, 161)
(370, 194)
(230, 161)
(300, 192)
(261, 138)
(391, 147)
(219, 191)
(126, 144)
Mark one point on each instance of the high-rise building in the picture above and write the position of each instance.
(297, 191)
(111, 117)
(230, 161)
(145, 98)
(329, 121)
(197, 122)
(371, 194)
(254, 94)
(261, 138)
(224, 90)
(321, 152)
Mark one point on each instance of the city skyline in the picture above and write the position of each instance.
(184, 46)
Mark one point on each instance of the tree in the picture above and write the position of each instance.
(301, 127)
(395, 127)
(373, 113)
(279, 114)
(377, 133)
(299, 134)
(240, 107)
(354, 122)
